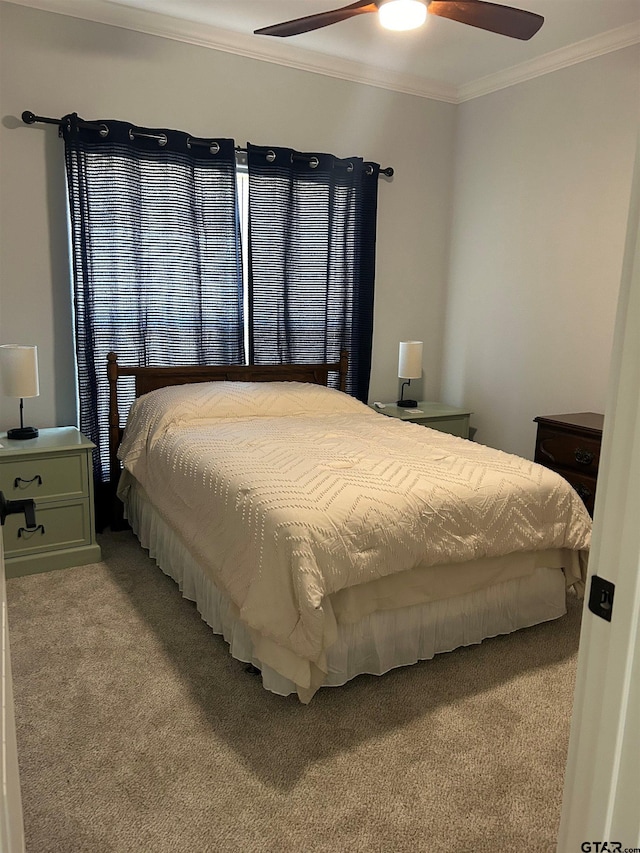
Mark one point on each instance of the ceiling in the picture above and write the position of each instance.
(444, 59)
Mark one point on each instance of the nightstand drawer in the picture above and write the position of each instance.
(54, 469)
(577, 452)
(45, 478)
(584, 485)
(570, 445)
(59, 526)
(454, 426)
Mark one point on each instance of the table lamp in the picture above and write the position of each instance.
(19, 370)
(409, 367)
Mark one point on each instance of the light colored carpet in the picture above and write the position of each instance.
(138, 733)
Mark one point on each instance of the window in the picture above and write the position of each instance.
(186, 253)
(242, 181)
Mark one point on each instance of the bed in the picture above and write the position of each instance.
(324, 540)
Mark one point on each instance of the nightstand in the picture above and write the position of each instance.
(434, 415)
(570, 445)
(55, 470)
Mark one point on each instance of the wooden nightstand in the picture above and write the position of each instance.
(570, 446)
(55, 470)
(434, 415)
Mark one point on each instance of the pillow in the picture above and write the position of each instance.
(153, 413)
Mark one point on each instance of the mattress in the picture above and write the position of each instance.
(290, 496)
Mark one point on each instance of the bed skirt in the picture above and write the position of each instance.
(377, 643)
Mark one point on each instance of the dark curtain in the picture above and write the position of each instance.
(156, 256)
(312, 234)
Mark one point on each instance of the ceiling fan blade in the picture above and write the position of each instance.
(316, 22)
(504, 20)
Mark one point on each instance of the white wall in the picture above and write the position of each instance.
(53, 65)
(542, 184)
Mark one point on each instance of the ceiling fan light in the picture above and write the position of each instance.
(402, 14)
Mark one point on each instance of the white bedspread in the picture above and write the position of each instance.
(287, 493)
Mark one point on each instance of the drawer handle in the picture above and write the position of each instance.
(23, 531)
(583, 457)
(18, 480)
(583, 491)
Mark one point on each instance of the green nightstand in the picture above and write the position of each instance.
(434, 415)
(55, 470)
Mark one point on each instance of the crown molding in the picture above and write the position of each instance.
(555, 60)
(242, 44)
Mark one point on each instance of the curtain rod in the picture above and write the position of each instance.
(30, 118)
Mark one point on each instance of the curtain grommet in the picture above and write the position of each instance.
(270, 156)
(212, 145)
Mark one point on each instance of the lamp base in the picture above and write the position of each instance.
(407, 404)
(22, 433)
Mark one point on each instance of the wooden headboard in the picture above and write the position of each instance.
(151, 378)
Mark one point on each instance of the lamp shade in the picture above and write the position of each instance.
(410, 360)
(19, 370)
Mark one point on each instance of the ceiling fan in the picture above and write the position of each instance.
(504, 20)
